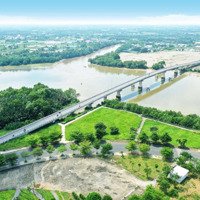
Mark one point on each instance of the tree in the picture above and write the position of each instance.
(107, 197)
(147, 171)
(11, 158)
(85, 148)
(144, 149)
(182, 142)
(77, 136)
(97, 144)
(33, 142)
(167, 153)
(73, 147)
(55, 137)
(44, 140)
(114, 130)
(155, 137)
(131, 146)
(132, 133)
(164, 183)
(159, 65)
(2, 160)
(25, 155)
(93, 196)
(90, 137)
(143, 137)
(165, 138)
(37, 152)
(105, 150)
(153, 129)
(100, 130)
(50, 149)
(61, 149)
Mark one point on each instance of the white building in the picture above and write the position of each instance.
(181, 172)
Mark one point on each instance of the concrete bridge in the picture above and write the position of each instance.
(101, 96)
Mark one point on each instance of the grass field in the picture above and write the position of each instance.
(23, 141)
(63, 195)
(46, 194)
(110, 117)
(130, 163)
(26, 195)
(193, 138)
(3, 132)
(7, 195)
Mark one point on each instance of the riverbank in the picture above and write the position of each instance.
(49, 64)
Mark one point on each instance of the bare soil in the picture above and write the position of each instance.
(75, 174)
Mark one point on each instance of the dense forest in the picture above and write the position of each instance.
(21, 106)
(25, 57)
(172, 117)
(113, 60)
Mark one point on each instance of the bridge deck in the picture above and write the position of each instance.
(66, 111)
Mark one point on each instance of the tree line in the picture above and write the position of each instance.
(172, 117)
(21, 106)
(25, 57)
(113, 60)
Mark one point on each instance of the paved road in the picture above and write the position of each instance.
(67, 111)
(118, 147)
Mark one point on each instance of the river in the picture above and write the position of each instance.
(74, 73)
(89, 80)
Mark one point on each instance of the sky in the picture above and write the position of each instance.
(135, 12)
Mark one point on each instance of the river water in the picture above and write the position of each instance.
(75, 73)
(90, 80)
(183, 96)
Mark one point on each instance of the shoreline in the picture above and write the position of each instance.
(157, 90)
(40, 65)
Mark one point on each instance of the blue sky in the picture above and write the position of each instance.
(96, 10)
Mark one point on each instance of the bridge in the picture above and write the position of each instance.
(88, 102)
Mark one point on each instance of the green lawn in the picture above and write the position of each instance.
(23, 141)
(7, 194)
(3, 132)
(46, 194)
(63, 195)
(193, 138)
(121, 119)
(130, 163)
(25, 194)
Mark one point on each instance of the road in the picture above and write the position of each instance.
(67, 111)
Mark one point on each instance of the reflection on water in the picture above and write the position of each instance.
(183, 96)
(75, 73)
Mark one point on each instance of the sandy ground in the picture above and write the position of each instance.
(75, 174)
(170, 57)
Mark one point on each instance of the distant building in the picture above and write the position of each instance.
(180, 172)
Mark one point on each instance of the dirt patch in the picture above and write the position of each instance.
(75, 174)
(170, 57)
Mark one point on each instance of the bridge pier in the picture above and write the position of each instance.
(156, 78)
(163, 78)
(175, 73)
(118, 96)
(181, 71)
(133, 87)
(105, 98)
(140, 88)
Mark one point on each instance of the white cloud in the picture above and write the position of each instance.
(158, 20)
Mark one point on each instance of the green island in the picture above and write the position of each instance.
(113, 60)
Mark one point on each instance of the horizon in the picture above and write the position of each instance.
(105, 12)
